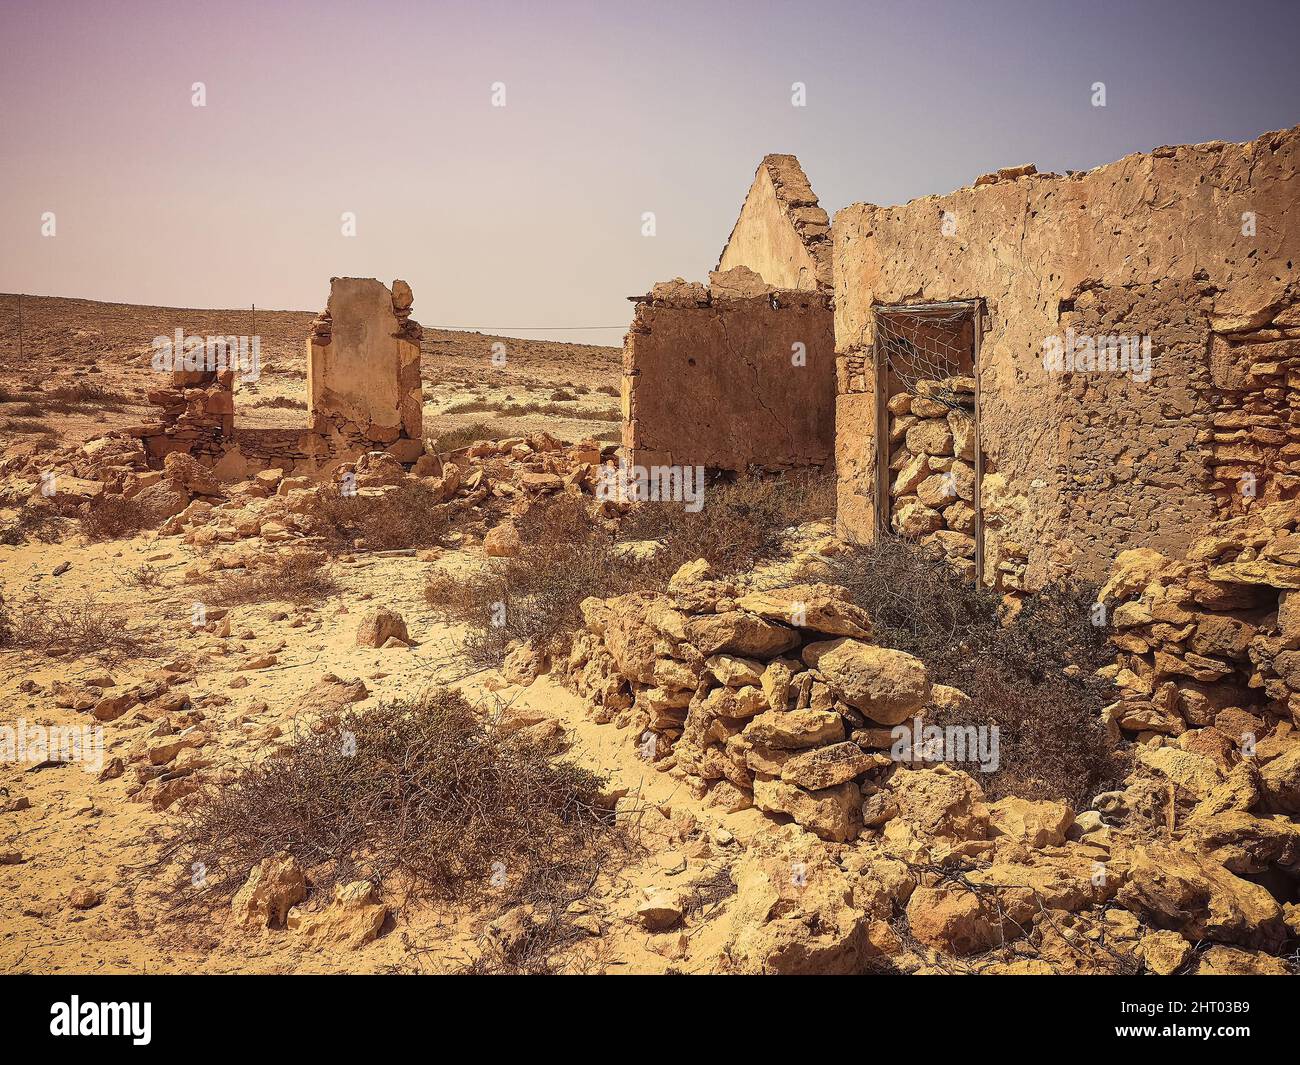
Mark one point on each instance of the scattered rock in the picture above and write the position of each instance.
(660, 911)
(84, 898)
(1164, 953)
(888, 686)
(377, 627)
(273, 886)
(353, 918)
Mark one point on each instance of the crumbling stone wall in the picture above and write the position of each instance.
(363, 372)
(716, 376)
(740, 373)
(1210, 642)
(363, 385)
(197, 415)
(1193, 247)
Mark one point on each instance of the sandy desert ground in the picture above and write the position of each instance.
(298, 631)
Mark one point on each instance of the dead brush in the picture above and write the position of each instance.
(567, 556)
(143, 576)
(43, 523)
(81, 629)
(707, 894)
(290, 577)
(29, 427)
(282, 402)
(536, 595)
(114, 517)
(409, 514)
(455, 439)
(557, 410)
(740, 523)
(6, 624)
(1033, 676)
(424, 796)
(75, 395)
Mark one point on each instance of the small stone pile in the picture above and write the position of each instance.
(774, 699)
(538, 463)
(1213, 640)
(198, 415)
(932, 482)
(520, 470)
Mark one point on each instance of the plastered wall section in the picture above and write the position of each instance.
(363, 375)
(715, 382)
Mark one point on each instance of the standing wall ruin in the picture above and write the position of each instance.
(740, 373)
(1193, 248)
(363, 372)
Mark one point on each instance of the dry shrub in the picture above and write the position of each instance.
(291, 577)
(469, 406)
(145, 576)
(424, 796)
(455, 439)
(112, 517)
(740, 523)
(558, 410)
(1033, 677)
(567, 556)
(409, 514)
(66, 398)
(29, 426)
(531, 952)
(35, 522)
(282, 402)
(80, 629)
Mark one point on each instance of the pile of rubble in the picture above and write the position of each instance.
(484, 485)
(932, 473)
(778, 700)
(1211, 643)
(34, 473)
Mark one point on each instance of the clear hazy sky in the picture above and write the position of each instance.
(530, 215)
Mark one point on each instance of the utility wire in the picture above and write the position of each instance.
(523, 328)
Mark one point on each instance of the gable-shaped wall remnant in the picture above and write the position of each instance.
(782, 234)
(739, 373)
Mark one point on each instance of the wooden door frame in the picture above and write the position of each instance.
(976, 310)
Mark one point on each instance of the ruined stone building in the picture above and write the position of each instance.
(364, 393)
(740, 372)
(998, 335)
